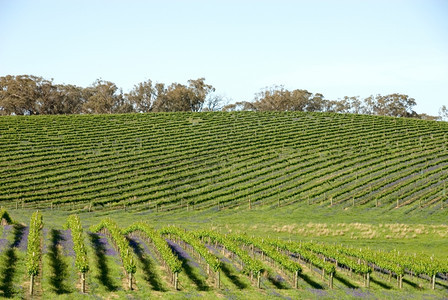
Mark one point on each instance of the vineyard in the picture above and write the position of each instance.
(197, 161)
(145, 261)
(238, 205)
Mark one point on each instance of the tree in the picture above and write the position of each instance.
(142, 97)
(238, 106)
(214, 103)
(18, 94)
(277, 98)
(443, 112)
(179, 97)
(71, 99)
(200, 91)
(27, 94)
(104, 97)
(395, 105)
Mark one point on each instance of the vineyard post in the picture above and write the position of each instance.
(296, 279)
(368, 280)
(130, 281)
(331, 280)
(219, 279)
(400, 281)
(433, 282)
(31, 284)
(83, 282)
(258, 279)
(176, 281)
(353, 199)
(443, 195)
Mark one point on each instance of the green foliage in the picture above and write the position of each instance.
(342, 259)
(5, 215)
(269, 251)
(250, 264)
(161, 245)
(194, 242)
(34, 251)
(120, 242)
(305, 254)
(81, 262)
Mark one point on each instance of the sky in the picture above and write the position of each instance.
(337, 48)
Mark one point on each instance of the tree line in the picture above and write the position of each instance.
(28, 95)
(277, 98)
(33, 95)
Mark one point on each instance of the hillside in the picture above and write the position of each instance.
(167, 161)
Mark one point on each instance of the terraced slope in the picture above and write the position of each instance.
(173, 160)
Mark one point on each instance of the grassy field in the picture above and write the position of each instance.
(357, 227)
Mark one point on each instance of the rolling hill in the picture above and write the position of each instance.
(166, 161)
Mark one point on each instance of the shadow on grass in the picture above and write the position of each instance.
(441, 284)
(148, 266)
(100, 250)
(59, 272)
(345, 282)
(199, 282)
(7, 273)
(231, 275)
(381, 284)
(18, 232)
(310, 281)
(8, 263)
(413, 284)
(277, 281)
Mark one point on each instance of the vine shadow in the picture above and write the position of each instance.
(345, 282)
(189, 270)
(380, 283)
(231, 275)
(59, 268)
(278, 281)
(148, 266)
(310, 281)
(100, 254)
(9, 261)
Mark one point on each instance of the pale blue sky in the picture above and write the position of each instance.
(337, 48)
